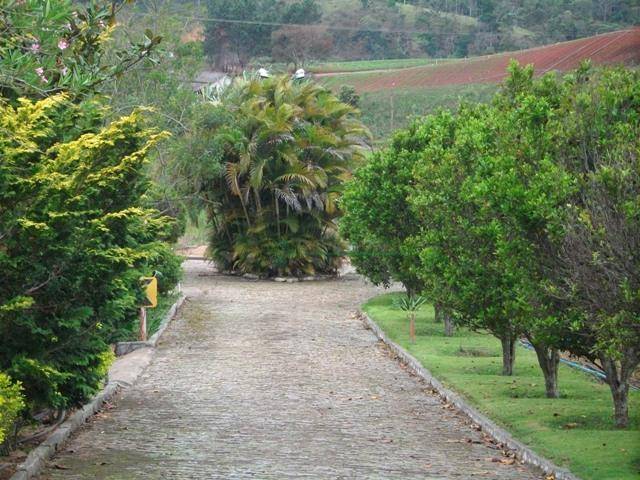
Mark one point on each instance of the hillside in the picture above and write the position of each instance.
(390, 95)
(617, 47)
(301, 32)
(440, 28)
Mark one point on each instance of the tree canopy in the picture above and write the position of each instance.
(519, 217)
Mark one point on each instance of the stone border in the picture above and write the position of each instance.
(310, 278)
(522, 452)
(122, 375)
(123, 348)
(38, 457)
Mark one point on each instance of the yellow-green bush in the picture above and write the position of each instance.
(11, 403)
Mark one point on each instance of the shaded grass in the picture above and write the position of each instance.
(155, 316)
(575, 431)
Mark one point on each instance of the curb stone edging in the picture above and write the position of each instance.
(37, 458)
(122, 348)
(522, 452)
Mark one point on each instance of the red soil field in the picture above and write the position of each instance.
(610, 48)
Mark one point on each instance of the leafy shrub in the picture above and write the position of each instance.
(271, 174)
(75, 237)
(11, 404)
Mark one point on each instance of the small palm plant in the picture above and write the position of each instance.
(410, 304)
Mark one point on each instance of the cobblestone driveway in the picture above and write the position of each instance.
(272, 381)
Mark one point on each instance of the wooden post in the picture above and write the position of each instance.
(143, 325)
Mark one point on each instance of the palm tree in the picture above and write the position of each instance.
(287, 148)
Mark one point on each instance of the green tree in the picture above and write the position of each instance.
(595, 275)
(285, 148)
(378, 221)
(559, 194)
(520, 192)
(75, 236)
(349, 95)
(302, 12)
(411, 304)
(232, 43)
(455, 244)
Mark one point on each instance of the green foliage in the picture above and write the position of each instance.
(166, 89)
(523, 215)
(409, 303)
(455, 244)
(239, 39)
(11, 404)
(48, 47)
(274, 156)
(378, 221)
(75, 237)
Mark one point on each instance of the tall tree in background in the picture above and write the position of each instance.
(231, 45)
(299, 45)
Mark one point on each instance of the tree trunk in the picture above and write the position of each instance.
(412, 327)
(508, 353)
(449, 327)
(275, 199)
(617, 376)
(437, 313)
(548, 359)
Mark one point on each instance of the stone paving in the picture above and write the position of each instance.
(274, 380)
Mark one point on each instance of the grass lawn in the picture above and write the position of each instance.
(155, 316)
(575, 431)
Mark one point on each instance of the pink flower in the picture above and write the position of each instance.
(40, 73)
(35, 47)
(63, 44)
(63, 71)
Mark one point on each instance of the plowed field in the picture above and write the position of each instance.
(617, 47)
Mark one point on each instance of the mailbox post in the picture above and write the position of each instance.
(150, 286)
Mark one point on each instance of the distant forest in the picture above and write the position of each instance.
(377, 29)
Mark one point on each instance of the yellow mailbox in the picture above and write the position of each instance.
(150, 285)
